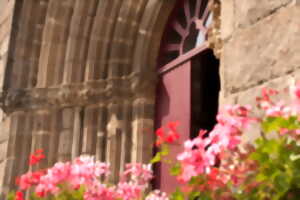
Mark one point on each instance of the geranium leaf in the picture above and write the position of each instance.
(164, 150)
(176, 170)
(156, 158)
(194, 195)
(178, 195)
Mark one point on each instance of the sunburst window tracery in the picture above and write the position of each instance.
(187, 29)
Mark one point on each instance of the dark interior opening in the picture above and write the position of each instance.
(205, 92)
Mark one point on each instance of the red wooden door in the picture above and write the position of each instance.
(184, 42)
(173, 104)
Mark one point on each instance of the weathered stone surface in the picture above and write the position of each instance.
(247, 97)
(227, 18)
(296, 2)
(2, 174)
(3, 150)
(4, 45)
(282, 84)
(248, 12)
(3, 62)
(228, 100)
(6, 8)
(264, 51)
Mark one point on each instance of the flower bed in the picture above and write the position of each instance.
(214, 165)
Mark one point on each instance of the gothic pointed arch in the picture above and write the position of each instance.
(81, 80)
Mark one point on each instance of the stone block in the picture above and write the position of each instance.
(248, 97)
(2, 174)
(296, 2)
(249, 12)
(65, 143)
(3, 133)
(2, 5)
(283, 83)
(67, 118)
(3, 62)
(227, 18)
(6, 9)
(4, 127)
(5, 30)
(3, 150)
(4, 46)
(8, 174)
(227, 100)
(263, 51)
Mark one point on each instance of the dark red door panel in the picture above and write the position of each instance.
(174, 104)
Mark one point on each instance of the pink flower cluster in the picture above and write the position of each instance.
(134, 180)
(201, 154)
(84, 171)
(271, 107)
(157, 195)
(274, 108)
(98, 191)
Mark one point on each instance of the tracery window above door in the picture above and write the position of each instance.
(187, 29)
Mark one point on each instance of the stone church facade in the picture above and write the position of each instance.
(80, 76)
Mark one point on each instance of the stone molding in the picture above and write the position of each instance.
(92, 92)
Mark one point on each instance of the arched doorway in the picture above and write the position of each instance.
(189, 80)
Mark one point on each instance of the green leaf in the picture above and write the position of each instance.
(34, 197)
(270, 124)
(176, 170)
(156, 158)
(204, 197)
(261, 157)
(261, 177)
(281, 183)
(178, 195)
(78, 194)
(164, 150)
(271, 146)
(11, 196)
(194, 195)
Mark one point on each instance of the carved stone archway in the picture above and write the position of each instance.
(80, 79)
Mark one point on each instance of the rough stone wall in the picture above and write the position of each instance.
(80, 79)
(6, 16)
(261, 47)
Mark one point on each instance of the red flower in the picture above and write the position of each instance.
(19, 196)
(29, 179)
(41, 194)
(173, 126)
(17, 181)
(297, 90)
(36, 157)
(169, 137)
(160, 132)
(172, 137)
